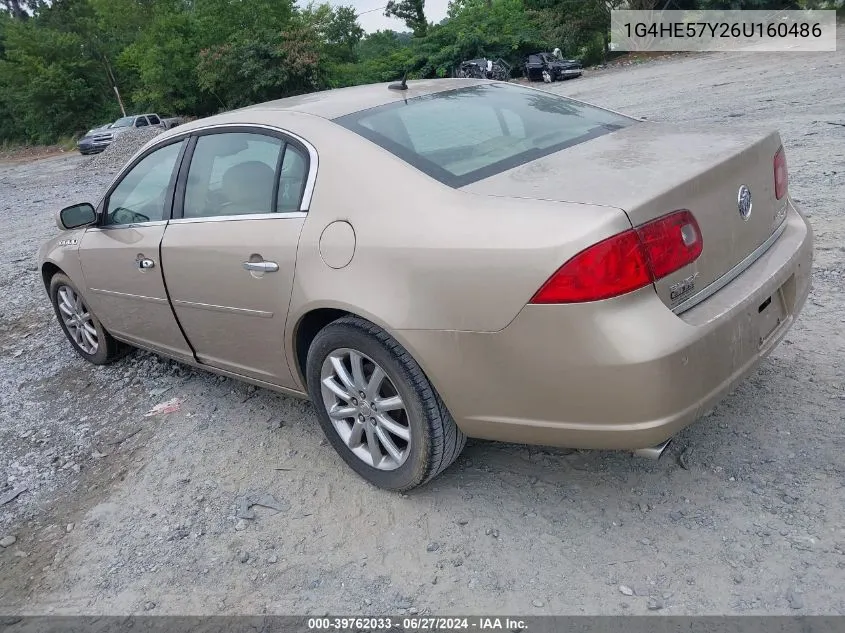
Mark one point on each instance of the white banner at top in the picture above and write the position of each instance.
(747, 31)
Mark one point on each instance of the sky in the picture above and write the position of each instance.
(370, 21)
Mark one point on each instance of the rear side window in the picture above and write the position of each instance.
(464, 135)
(291, 179)
(244, 173)
(153, 119)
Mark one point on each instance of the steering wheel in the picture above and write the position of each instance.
(122, 215)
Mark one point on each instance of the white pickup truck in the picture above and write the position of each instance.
(98, 139)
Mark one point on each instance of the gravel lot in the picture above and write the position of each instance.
(126, 514)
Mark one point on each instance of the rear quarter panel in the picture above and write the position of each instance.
(428, 256)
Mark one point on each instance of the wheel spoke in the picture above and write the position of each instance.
(357, 370)
(89, 328)
(388, 444)
(391, 425)
(336, 389)
(65, 309)
(372, 444)
(344, 376)
(374, 385)
(389, 404)
(66, 300)
(341, 413)
(92, 342)
(355, 437)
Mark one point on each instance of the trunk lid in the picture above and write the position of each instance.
(649, 170)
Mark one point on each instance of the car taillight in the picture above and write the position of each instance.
(626, 262)
(781, 174)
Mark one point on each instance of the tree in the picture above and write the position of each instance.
(576, 26)
(343, 33)
(378, 44)
(254, 69)
(412, 12)
(21, 9)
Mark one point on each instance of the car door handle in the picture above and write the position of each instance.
(145, 264)
(261, 267)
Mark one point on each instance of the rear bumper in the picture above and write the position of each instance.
(625, 373)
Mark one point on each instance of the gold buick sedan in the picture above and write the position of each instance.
(435, 260)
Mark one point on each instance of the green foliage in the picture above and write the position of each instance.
(255, 69)
(412, 12)
(46, 79)
(60, 60)
(478, 29)
(343, 33)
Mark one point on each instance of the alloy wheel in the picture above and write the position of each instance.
(365, 409)
(78, 320)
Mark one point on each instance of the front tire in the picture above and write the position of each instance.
(86, 334)
(377, 408)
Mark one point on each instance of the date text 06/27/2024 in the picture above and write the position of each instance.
(418, 623)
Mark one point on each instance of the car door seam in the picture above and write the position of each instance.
(181, 178)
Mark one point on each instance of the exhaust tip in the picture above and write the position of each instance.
(653, 452)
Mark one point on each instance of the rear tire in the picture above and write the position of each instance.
(434, 440)
(86, 334)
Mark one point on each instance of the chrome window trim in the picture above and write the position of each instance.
(313, 157)
(732, 274)
(134, 225)
(242, 216)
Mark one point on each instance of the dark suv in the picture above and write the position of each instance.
(546, 67)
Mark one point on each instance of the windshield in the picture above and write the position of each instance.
(464, 135)
(124, 122)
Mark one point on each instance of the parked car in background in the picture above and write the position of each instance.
(483, 68)
(98, 139)
(547, 67)
(86, 144)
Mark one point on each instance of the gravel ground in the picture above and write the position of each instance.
(120, 150)
(163, 514)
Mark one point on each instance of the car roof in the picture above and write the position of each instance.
(331, 104)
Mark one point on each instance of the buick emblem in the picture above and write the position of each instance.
(743, 201)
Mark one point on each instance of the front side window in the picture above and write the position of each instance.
(238, 173)
(464, 135)
(142, 194)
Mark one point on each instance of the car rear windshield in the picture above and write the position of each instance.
(464, 135)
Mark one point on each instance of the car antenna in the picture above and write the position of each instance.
(402, 85)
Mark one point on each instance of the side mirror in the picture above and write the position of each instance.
(76, 216)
